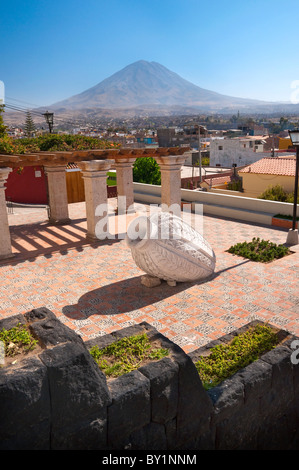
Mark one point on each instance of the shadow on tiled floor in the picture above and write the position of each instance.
(31, 241)
(96, 289)
(120, 298)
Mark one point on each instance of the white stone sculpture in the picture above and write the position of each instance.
(165, 247)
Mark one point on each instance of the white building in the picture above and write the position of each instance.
(238, 151)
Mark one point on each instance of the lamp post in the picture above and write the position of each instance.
(49, 117)
(292, 238)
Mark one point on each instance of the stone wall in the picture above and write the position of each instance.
(57, 398)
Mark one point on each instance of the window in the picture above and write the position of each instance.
(220, 147)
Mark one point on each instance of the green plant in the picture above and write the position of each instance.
(235, 185)
(52, 142)
(126, 355)
(17, 340)
(259, 250)
(205, 161)
(225, 360)
(277, 193)
(146, 170)
(29, 126)
(286, 217)
(3, 128)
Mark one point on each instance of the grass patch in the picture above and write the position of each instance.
(126, 355)
(259, 250)
(17, 340)
(226, 359)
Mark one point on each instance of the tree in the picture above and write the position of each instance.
(146, 170)
(277, 193)
(29, 126)
(2, 125)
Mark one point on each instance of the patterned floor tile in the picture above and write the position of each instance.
(96, 288)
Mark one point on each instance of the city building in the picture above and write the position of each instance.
(239, 151)
(269, 171)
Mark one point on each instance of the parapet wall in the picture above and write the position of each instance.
(58, 398)
(222, 205)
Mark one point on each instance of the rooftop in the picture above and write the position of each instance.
(96, 288)
(284, 166)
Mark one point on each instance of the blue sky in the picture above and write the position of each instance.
(53, 50)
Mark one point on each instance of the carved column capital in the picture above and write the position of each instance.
(170, 162)
(94, 174)
(4, 173)
(94, 166)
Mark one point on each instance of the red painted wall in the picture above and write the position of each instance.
(26, 186)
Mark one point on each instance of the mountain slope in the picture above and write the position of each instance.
(150, 83)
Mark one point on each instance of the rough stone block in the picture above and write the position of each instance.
(281, 395)
(163, 376)
(130, 408)
(193, 401)
(48, 329)
(278, 433)
(150, 281)
(11, 322)
(227, 398)
(150, 437)
(79, 394)
(257, 379)
(171, 432)
(25, 406)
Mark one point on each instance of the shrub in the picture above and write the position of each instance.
(226, 359)
(235, 185)
(277, 193)
(126, 355)
(3, 128)
(52, 142)
(17, 339)
(259, 250)
(283, 216)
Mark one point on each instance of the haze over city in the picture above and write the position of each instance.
(52, 51)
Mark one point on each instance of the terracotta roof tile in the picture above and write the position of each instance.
(272, 166)
(218, 181)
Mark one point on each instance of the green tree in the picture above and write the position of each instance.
(277, 193)
(29, 126)
(146, 170)
(2, 125)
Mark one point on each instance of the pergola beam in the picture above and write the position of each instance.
(45, 158)
(94, 165)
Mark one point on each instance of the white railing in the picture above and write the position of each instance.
(222, 205)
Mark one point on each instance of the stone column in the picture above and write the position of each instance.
(170, 167)
(94, 174)
(5, 240)
(124, 178)
(57, 192)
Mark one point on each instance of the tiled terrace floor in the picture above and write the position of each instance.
(96, 289)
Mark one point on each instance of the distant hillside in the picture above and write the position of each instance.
(149, 89)
(152, 85)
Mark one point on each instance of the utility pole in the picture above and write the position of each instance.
(199, 153)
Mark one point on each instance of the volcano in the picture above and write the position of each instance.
(151, 84)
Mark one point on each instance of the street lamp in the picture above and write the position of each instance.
(293, 234)
(49, 117)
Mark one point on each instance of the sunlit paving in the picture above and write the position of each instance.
(149, 248)
(96, 288)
